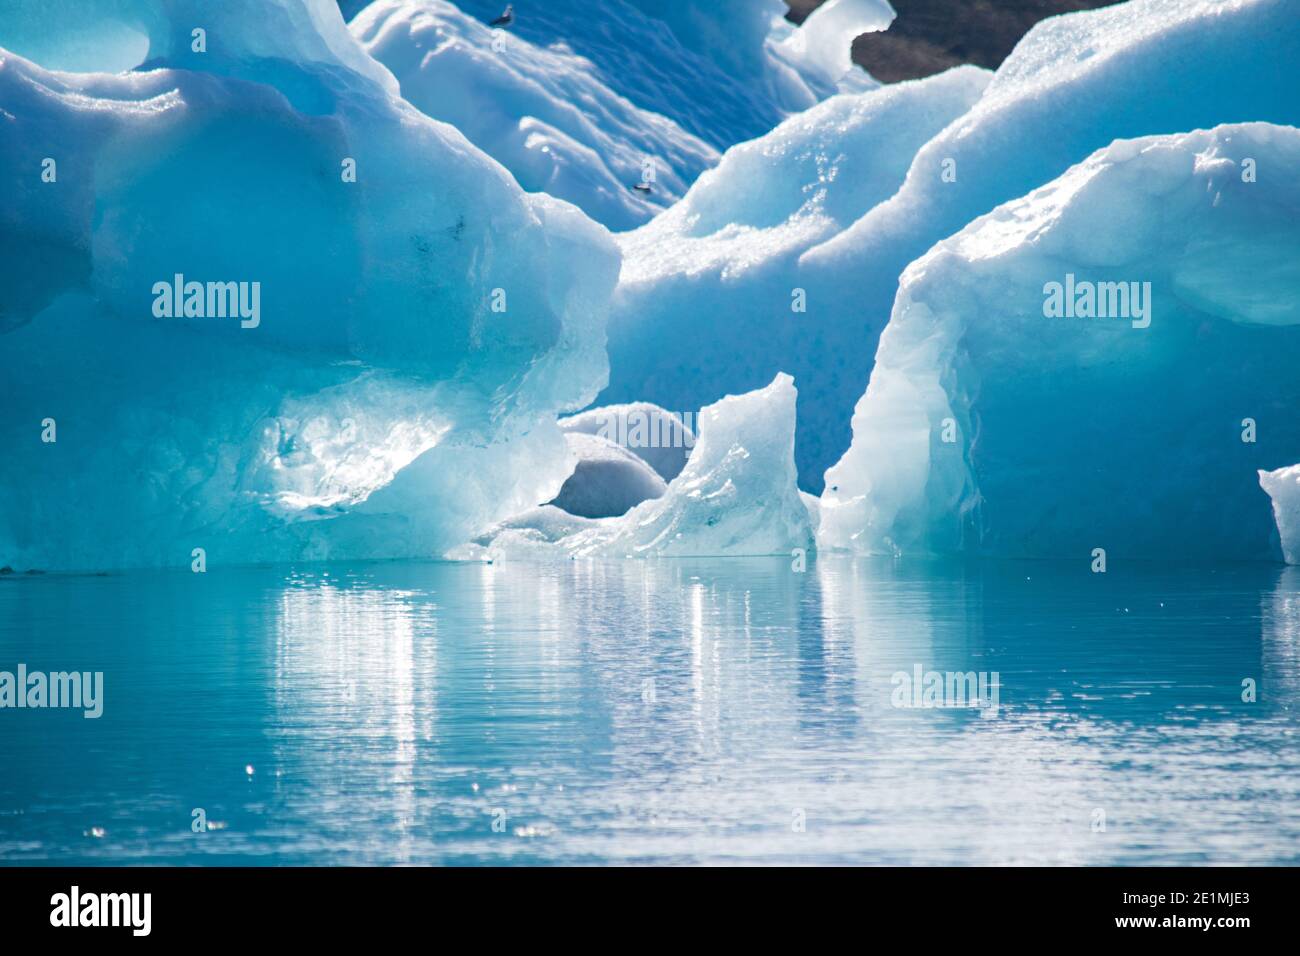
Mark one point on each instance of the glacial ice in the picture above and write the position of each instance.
(657, 436)
(541, 112)
(607, 480)
(1073, 85)
(281, 42)
(708, 297)
(737, 495)
(419, 331)
(726, 70)
(991, 428)
(1283, 486)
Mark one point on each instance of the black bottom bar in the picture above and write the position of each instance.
(301, 905)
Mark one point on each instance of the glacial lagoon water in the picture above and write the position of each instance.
(687, 711)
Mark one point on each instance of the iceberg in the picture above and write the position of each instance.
(415, 321)
(1103, 363)
(542, 112)
(713, 298)
(737, 495)
(1074, 84)
(688, 326)
(1283, 486)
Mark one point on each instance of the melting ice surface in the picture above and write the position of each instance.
(423, 320)
(664, 712)
(426, 322)
(870, 195)
(997, 423)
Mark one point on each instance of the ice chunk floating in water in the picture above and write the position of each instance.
(737, 495)
(1283, 486)
(421, 320)
(1102, 364)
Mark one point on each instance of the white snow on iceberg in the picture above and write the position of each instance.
(994, 423)
(260, 40)
(1073, 85)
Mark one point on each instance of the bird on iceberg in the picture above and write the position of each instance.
(507, 17)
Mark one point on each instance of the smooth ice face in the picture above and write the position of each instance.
(543, 113)
(726, 70)
(382, 374)
(713, 298)
(1283, 486)
(736, 496)
(607, 480)
(1102, 364)
(1073, 85)
(658, 437)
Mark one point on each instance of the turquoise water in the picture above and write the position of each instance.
(692, 711)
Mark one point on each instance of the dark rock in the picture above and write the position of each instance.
(929, 36)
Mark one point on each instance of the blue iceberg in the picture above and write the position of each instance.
(1104, 363)
(271, 310)
(542, 113)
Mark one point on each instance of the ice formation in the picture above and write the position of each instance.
(726, 70)
(994, 423)
(1073, 85)
(737, 495)
(657, 436)
(713, 298)
(1076, 83)
(255, 302)
(541, 112)
(607, 479)
(1283, 486)
(281, 42)
(420, 319)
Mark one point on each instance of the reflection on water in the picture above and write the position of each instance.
(669, 711)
